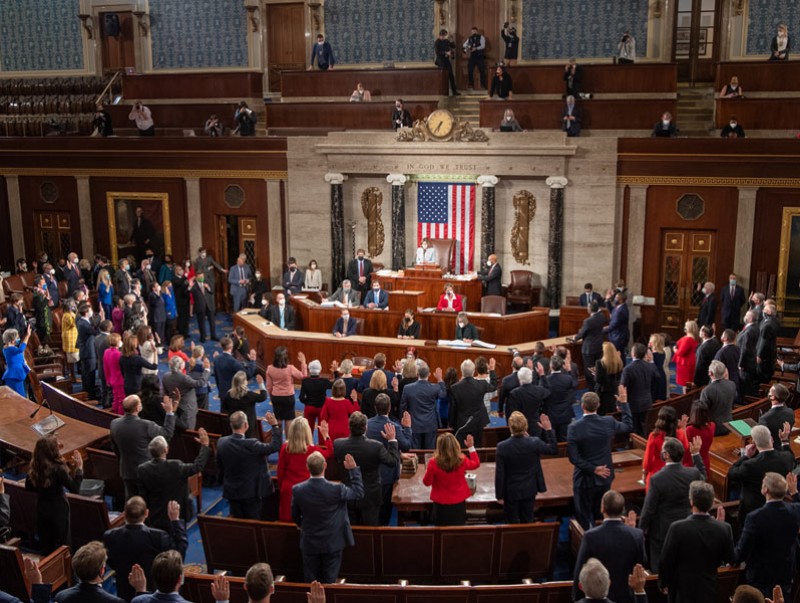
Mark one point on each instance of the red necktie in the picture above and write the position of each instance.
(360, 267)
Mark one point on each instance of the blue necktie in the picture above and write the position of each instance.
(282, 322)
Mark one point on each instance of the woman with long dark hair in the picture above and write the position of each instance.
(280, 383)
(666, 426)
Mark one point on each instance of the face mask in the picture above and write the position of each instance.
(733, 124)
(149, 256)
(263, 302)
(619, 289)
(704, 291)
(361, 257)
(281, 302)
(258, 275)
(345, 316)
(24, 268)
(203, 255)
(461, 324)
(589, 293)
(16, 341)
(119, 345)
(376, 289)
(732, 282)
(346, 289)
(75, 261)
(665, 122)
(488, 262)
(188, 264)
(128, 268)
(52, 271)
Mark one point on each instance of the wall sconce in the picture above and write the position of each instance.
(657, 9)
(88, 25)
(441, 13)
(255, 21)
(513, 11)
(738, 7)
(143, 20)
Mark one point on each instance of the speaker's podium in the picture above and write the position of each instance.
(429, 280)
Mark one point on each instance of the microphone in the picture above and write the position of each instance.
(460, 429)
(38, 408)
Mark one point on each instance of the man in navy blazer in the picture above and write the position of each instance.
(377, 298)
(293, 279)
(768, 544)
(617, 328)
(87, 329)
(729, 355)
(420, 399)
(388, 474)
(379, 364)
(226, 366)
(561, 382)
(588, 296)
(637, 378)
(319, 508)
(242, 464)
(529, 398)
(733, 299)
(345, 326)
(779, 413)
(518, 476)
(615, 544)
(508, 384)
(239, 277)
(88, 564)
(591, 333)
(708, 307)
(589, 450)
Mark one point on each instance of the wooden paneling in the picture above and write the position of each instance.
(759, 113)
(119, 52)
(388, 83)
(767, 229)
(174, 115)
(242, 84)
(760, 76)
(596, 114)
(597, 79)
(286, 42)
(485, 15)
(32, 203)
(6, 247)
(353, 116)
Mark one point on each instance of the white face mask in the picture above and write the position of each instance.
(460, 324)
(263, 302)
(345, 316)
(281, 302)
(733, 124)
(75, 261)
(258, 275)
(665, 122)
(488, 262)
(52, 271)
(203, 255)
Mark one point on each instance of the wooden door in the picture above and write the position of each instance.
(53, 232)
(486, 16)
(286, 47)
(695, 47)
(688, 261)
(118, 51)
(235, 235)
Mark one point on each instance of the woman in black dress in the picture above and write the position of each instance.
(378, 385)
(48, 477)
(409, 328)
(608, 371)
(131, 364)
(239, 397)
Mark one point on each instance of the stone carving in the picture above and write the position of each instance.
(524, 211)
(371, 201)
(462, 132)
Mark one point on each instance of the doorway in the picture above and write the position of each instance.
(53, 234)
(235, 235)
(696, 37)
(485, 15)
(116, 34)
(688, 261)
(286, 47)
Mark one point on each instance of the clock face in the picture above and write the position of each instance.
(440, 123)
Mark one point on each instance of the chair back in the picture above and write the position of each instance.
(521, 282)
(359, 326)
(495, 304)
(444, 252)
(573, 300)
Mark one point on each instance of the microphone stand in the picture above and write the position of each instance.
(49, 424)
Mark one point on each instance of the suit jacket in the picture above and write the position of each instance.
(750, 472)
(163, 480)
(659, 131)
(693, 550)
(84, 592)
(351, 298)
(122, 283)
(704, 354)
(352, 274)
(235, 275)
(774, 419)
(589, 446)
(100, 347)
(592, 334)
(768, 544)
(206, 267)
(293, 283)
(767, 347)
(369, 456)
(492, 280)
(507, 385)
(518, 470)
(187, 386)
(559, 404)
(747, 342)
(72, 274)
(732, 306)
(729, 356)
(618, 547)
(529, 399)
(375, 425)
(225, 367)
(586, 300)
(158, 597)
(131, 544)
(319, 507)
(617, 329)
(719, 396)
(340, 328)
(468, 331)
(638, 378)
(708, 311)
(420, 399)
(274, 316)
(572, 128)
(466, 402)
(85, 343)
(381, 300)
(130, 437)
(5, 510)
(242, 464)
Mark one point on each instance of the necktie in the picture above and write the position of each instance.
(733, 291)
(360, 267)
(241, 273)
(283, 324)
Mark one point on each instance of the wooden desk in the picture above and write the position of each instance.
(388, 83)
(604, 78)
(399, 301)
(759, 76)
(17, 435)
(759, 113)
(500, 330)
(353, 116)
(570, 319)
(411, 495)
(432, 286)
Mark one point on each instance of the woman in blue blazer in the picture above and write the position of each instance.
(14, 354)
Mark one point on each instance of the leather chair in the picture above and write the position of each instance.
(359, 326)
(573, 300)
(495, 304)
(520, 291)
(444, 252)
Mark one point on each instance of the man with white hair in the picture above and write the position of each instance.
(760, 458)
(467, 411)
(528, 398)
(420, 399)
(719, 396)
(594, 581)
(176, 379)
(708, 307)
(747, 340)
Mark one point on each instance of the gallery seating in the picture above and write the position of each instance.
(386, 84)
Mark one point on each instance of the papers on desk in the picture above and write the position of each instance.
(386, 272)
(460, 343)
(433, 309)
(331, 304)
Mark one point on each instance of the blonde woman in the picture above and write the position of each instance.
(105, 292)
(446, 475)
(292, 467)
(685, 354)
(667, 360)
(608, 371)
(240, 397)
(69, 335)
(658, 387)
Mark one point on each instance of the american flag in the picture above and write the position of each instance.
(447, 211)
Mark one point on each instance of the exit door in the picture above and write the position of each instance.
(235, 235)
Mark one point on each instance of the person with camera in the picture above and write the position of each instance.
(401, 118)
(626, 49)
(245, 119)
(102, 122)
(214, 126)
(511, 39)
(475, 48)
(143, 118)
(443, 48)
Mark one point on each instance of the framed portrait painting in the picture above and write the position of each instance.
(789, 267)
(138, 222)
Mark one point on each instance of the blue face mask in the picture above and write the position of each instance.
(16, 341)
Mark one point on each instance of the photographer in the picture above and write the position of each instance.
(143, 118)
(102, 122)
(626, 49)
(401, 118)
(511, 39)
(443, 48)
(245, 120)
(214, 127)
(475, 47)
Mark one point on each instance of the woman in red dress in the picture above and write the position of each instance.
(337, 410)
(446, 475)
(667, 426)
(699, 425)
(685, 354)
(292, 467)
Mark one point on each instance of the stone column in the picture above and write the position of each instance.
(337, 228)
(276, 242)
(194, 216)
(15, 216)
(555, 247)
(637, 217)
(745, 218)
(398, 182)
(85, 213)
(488, 244)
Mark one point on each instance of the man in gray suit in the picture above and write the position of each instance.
(591, 334)
(346, 295)
(420, 400)
(186, 386)
(239, 277)
(205, 264)
(130, 438)
(719, 395)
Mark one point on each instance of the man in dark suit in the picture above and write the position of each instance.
(719, 396)
(359, 272)
(187, 387)
(135, 543)
(204, 307)
(491, 277)
(760, 458)
(767, 347)
(729, 355)
(667, 498)
(704, 354)
(529, 399)
(370, 456)
(243, 470)
(345, 326)
(694, 549)
(591, 334)
(508, 384)
(377, 298)
(595, 581)
(89, 565)
(293, 279)
(239, 277)
(589, 450)
(768, 544)
(130, 437)
(747, 342)
(779, 413)
(319, 508)
(379, 364)
(733, 298)
(571, 118)
(618, 546)
(226, 366)
(561, 382)
(518, 474)
(72, 274)
(162, 480)
(87, 329)
(420, 399)
(708, 306)
(281, 314)
(589, 295)
(638, 377)
(122, 279)
(100, 347)
(346, 295)
(389, 475)
(205, 265)
(617, 329)
(467, 413)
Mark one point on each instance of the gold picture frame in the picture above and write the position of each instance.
(788, 294)
(121, 208)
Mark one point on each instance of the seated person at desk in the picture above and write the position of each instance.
(345, 326)
(450, 301)
(409, 328)
(401, 118)
(465, 330)
(426, 254)
(571, 118)
(732, 90)
(733, 129)
(665, 128)
(501, 84)
(377, 299)
(360, 95)
(509, 122)
(346, 295)
(590, 296)
(281, 314)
